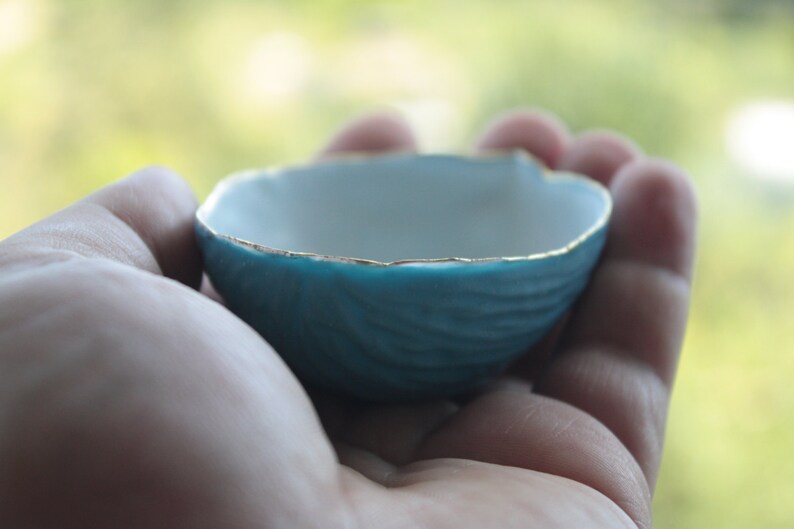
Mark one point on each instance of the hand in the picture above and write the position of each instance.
(128, 399)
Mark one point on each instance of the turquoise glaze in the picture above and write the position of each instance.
(402, 277)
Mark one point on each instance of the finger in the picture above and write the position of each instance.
(372, 133)
(514, 427)
(621, 347)
(599, 155)
(145, 220)
(536, 132)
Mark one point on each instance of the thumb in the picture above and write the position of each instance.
(144, 220)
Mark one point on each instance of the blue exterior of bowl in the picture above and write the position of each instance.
(397, 332)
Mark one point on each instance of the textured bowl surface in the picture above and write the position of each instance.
(405, 276)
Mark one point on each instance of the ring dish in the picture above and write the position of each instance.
(402, 277)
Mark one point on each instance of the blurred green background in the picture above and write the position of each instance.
(92, 89)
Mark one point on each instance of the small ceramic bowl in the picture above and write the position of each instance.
(402, 277)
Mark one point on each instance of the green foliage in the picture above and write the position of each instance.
(91, 90)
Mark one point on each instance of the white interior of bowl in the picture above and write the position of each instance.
(399, 208)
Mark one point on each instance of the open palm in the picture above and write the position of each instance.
(130, 399)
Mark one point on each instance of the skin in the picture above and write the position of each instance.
(129, 398)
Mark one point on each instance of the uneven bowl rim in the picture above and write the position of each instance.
(521, 157)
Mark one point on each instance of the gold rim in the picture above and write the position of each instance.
(523, 157)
